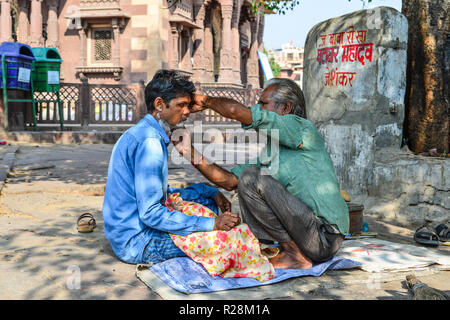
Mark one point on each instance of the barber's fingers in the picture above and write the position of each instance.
(232, 217)
(232, 223)
(231, 214)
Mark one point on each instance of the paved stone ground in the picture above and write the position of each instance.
(41, 252)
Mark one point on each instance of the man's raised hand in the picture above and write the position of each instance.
(197, 103)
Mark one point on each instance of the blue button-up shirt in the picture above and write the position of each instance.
(136, 190)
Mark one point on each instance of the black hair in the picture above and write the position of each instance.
(167, 84)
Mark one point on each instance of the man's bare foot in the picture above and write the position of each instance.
(290, 258)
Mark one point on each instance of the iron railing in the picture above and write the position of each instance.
(86, 105)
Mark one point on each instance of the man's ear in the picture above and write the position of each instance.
(287, 108)
(159, 104)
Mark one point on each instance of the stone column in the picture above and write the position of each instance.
(189, 57)
(6, 21)
(186, 38)
(261, 33)
(52, 25)
(235, 42)
(23, 23)
(116, 47)
(252, 63)
(226, 53)
(175, 55)
(82, 33)
(199, 39)
(36, 39)
(260, 46)
(208, 49)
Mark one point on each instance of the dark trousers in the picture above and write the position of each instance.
(274, 214)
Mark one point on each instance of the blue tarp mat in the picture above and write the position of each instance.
(187, 276)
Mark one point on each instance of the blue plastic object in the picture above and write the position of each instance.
(365, 227)
(18, 59)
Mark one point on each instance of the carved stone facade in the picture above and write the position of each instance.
(126, 41)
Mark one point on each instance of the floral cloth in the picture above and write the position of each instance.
(233, 254)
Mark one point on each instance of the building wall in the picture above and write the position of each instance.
(143, 42)
(148, 39)
(144, 35)
(69, 43)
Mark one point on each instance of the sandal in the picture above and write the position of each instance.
(88, 224)
(426, 236)
(269, 251)
(443, 232)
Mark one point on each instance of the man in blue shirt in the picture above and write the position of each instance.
(136, 221)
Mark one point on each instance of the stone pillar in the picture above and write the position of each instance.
(235, 43)
(23, 23)
(252, 63)
(260, 48)
(186, 37)
(116, 47)
(6, 21)
(189, 57)
(356, 102)
(82, 33)
(175, 55)
(226, 53)
(36, 39)
(208, 49)
(52, 25)
(199, 39)
(261, 33)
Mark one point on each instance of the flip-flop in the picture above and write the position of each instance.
(86, 223)
(443, 232)
(426, 236)
(269, 251)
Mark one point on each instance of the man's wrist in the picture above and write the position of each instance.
(206, 102)
(195, 163)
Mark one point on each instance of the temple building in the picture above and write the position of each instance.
(215, 42)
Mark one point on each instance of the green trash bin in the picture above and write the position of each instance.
(46, 69)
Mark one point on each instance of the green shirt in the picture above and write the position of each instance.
(306, 172)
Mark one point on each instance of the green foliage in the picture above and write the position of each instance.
(276, 6)
(276, 68)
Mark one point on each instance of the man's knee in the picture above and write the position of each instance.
(248, 178)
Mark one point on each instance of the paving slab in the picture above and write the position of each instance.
(42, 256)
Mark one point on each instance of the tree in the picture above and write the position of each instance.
(276, 6)
(276, 68)
(427, 81)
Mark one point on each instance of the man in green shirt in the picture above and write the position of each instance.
(291, 197)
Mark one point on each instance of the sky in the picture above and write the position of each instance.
(295, 24)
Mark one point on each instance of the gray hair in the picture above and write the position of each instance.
(288, 91)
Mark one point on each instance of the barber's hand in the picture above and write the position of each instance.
(181, 139)
(226, 221)
(222, 202)
(198, 103)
